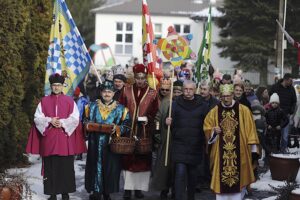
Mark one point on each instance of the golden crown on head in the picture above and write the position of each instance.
(226, 88)
(166, 82)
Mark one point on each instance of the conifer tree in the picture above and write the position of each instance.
(248, 31)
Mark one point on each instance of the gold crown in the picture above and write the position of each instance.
(165, 82)
(226, 88)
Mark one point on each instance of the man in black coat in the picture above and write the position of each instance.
(188, 113)
(287, 97)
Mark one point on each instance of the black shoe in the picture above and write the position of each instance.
(95, 196)
(127, 195)
(138, 194)
(52, 197)
(65, 197)
(106, 197)
(164, 195)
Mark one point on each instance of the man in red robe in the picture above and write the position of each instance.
(142, 102)
(56, 136)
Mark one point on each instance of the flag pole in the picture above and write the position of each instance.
(169, 127)
(282, 54)
(93, 66)
(96, 72)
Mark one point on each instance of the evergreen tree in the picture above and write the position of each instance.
(248, 31)
(23, 51)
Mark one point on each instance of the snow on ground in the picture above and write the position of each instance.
(33, 174)
(35, 179)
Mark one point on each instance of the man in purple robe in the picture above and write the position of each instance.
(56, 136)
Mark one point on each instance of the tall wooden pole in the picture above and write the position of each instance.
(283, 47)
(280, 36)
(169, 127)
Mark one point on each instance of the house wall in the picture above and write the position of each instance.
(106, 32)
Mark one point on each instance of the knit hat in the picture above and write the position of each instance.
(274, 98)
(177, 85)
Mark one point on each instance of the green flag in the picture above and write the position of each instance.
(203, 61)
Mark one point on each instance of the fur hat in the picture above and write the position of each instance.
(56, 78)
(120, 77)
(274, 98)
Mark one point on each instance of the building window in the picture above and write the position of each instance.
(182, 29)
(157, 31)
(124, 38)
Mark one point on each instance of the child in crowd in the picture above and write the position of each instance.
(276, 119)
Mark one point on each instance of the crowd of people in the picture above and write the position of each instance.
(218, 130)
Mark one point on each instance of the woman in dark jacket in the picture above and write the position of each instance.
(240, 96)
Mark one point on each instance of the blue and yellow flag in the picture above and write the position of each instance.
(67, 53)
(203, 61)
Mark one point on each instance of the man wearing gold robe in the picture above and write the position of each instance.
(231, 134)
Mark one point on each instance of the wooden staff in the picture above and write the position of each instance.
(154, 80)
(170, 112)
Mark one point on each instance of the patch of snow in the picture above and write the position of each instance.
(287, 156)
(270, 198)
(264, 181)
(204, 13)
(296, 191)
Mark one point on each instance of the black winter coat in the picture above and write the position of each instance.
(287, 97)
(276, 117)
(187, 130)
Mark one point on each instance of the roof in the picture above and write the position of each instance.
(157, 7)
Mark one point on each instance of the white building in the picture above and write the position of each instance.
(120, 26)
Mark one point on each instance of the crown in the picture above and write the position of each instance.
(165, 82)
(226, 88)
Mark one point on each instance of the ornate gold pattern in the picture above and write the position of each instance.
(230, 173)
(105, 110)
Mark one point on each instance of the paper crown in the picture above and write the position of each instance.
(139, 68)
(226, 88)
(165, 82)
(56, 78)
(118, 69)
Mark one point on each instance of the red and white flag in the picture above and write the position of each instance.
(150, 58)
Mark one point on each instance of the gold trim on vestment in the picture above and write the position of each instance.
(230, 173)
(105, 110)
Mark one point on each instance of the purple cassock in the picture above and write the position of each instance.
(46, 140)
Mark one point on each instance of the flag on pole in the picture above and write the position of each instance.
(67, 53)
(203, 61)
(149, 49)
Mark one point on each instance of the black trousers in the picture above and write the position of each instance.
(59, 175)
